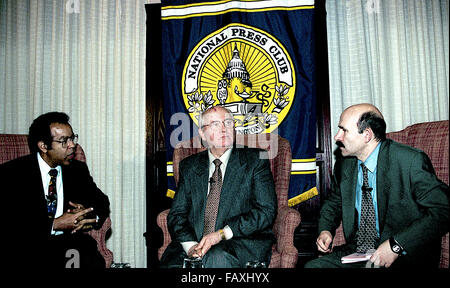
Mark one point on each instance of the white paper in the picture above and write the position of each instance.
(356, 257)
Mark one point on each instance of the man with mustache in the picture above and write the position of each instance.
(53, 198)
(387, 196)
(240, 228)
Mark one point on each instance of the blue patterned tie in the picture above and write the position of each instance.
(367, 233)
(52, 196)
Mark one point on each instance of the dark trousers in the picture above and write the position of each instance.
(333, 260)
(428, 259)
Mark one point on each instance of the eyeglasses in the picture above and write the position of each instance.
(63, 141)
(228, 123)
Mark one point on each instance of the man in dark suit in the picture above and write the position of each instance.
(241, 227)
(410, 205)
(52, 200)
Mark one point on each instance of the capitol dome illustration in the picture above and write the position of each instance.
(236, 69)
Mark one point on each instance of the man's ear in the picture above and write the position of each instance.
(202, 138)
(368, 135)
(202, 135)
(42, 146)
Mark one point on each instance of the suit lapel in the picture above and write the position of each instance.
(69, 184)
(36, 183)
(383, 186)
(233, 179)
(199, 199)
(348, 194)
(66, 185)
(36, 188)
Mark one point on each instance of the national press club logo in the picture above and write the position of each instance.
(244, 69)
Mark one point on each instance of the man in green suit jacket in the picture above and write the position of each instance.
(411, 204)
(247, 206)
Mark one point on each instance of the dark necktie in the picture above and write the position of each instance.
(212, 203)
(367, 233)
(52, 197)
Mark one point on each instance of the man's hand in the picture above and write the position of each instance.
(323, 242)
(205, 244)
(72, 220)
(384, 256)
(192, 253)
(76, 208)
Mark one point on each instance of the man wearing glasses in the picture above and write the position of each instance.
(225, 205)
(52, 199)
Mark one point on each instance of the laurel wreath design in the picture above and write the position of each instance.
(282, 100)
(199, 102)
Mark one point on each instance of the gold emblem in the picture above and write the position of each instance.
(244, 69)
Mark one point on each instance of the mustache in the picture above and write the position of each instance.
(340, 144)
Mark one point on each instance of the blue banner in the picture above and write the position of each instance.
(254, 57)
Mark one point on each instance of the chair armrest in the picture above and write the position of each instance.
(444, 252)
(285, 224)
(100, 236)
(161, 220)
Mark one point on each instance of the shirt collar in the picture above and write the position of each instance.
(372, 160)
(224, 158)
(44, 167)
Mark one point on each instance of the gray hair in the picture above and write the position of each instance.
(210, 110)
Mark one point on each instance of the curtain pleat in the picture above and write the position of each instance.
(393, 54)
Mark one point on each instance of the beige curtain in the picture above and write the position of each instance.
(86, 58)
(391, 53)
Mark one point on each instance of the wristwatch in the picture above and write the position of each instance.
(396, 247)
(222, 234)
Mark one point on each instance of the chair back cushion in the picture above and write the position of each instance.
(432, 138)
(13, 146)
(279, 153)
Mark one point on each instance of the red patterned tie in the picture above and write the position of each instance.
(52, 196)
(212, 203)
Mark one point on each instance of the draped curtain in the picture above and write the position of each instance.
(393, 54)
(85, 58)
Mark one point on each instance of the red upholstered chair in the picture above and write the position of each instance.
(284, 254)
(432, 138)
(13, 146)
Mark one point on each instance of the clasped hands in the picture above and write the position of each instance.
(383, 256)
(209, 240)
(75, 219)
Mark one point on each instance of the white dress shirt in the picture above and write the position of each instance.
(45, 168)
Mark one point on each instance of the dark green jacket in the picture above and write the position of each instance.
(248, 202)
(413, 205)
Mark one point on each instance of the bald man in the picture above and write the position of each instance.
(397, 183)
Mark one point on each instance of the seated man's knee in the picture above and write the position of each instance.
(315, 263)
(216, 257)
